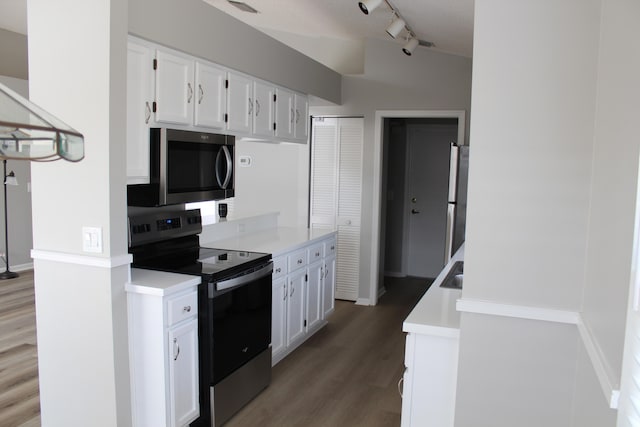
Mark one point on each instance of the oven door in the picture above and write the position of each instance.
(239, 320)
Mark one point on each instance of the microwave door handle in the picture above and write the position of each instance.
(227, 156)
(218, 179)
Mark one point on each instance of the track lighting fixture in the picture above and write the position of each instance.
(367, 6)
(396, 27)
(410, 46)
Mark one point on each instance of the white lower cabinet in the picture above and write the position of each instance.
(302, 295)
(163, 341)
(429, 380)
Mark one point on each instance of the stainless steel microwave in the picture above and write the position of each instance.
(185, 166)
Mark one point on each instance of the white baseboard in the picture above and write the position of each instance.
(363, 301)
(22, 267)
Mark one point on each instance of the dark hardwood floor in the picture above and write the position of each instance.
(345, 375)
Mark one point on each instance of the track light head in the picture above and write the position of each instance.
(410, 46)
(396, 27)
(367, 6)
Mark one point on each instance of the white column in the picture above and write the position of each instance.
(77, 71)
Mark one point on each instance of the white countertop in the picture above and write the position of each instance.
(435, 313)
(275, 241)
(159, 283)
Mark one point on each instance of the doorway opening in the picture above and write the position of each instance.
(411, 173)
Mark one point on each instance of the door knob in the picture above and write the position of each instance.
(415, 211)
(414, 200)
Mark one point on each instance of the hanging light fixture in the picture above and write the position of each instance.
(410, 46)
(27, 132)
(367, 6)
(396, 26)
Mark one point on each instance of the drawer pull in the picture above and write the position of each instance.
(333, 247)
(284, 288)
(300, 261)
(317, 253)
(186, 308)
(278, 270)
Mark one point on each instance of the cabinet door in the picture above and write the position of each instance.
(314, 295)
(279, 316)
(263, 109)
(139, 100)
(329, 286)
(174, 88)
(301, 119)
(295, 305)
(210, 96)
(183, 373)
(239, 103)
(285, 114)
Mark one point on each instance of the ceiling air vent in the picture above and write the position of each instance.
(243, 6)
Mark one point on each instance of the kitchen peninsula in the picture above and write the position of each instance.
(431, 355)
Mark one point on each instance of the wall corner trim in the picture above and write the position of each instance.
(91, 261)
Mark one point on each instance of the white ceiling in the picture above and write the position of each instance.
(332, 31)
(447, 23)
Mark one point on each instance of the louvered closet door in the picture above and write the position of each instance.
(336, 193)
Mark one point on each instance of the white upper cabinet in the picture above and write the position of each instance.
(211, 96)
(139, 111)
(263, 106)
(239, 103)
(301, 119)
(170, 88)
(285, 114)
(175, 90)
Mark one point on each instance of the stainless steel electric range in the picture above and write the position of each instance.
(234, 299)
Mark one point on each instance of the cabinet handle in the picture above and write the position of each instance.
(187, 308)
(326, 271)
(176, 349)
(189, 93)
(333, 248)
(278, 270)
(401, 386)
(317, 253)
(284, 288)
(293, 115)
(292, 289)
(250, 107)
(300, 261)
(257, 108)
(297, 116)
(147, 112)
(201, 91)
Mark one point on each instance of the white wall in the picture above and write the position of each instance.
(425, 81)
(552, 186)
(614, 181)
(276, 181)
(18, 199)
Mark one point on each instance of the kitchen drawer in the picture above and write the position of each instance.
(297, 260)
(329, 247)
(316, 253)
(182, 307)
(279, 267)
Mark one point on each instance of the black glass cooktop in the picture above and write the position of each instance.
(182, 256)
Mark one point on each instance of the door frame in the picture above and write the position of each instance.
(380, 115)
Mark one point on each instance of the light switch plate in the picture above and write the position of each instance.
(92, 239)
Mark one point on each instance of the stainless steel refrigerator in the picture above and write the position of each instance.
(457, 199)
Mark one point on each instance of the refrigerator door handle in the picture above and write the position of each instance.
(451, 219)
(453, 172)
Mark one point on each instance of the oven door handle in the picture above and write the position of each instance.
(244, 279)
